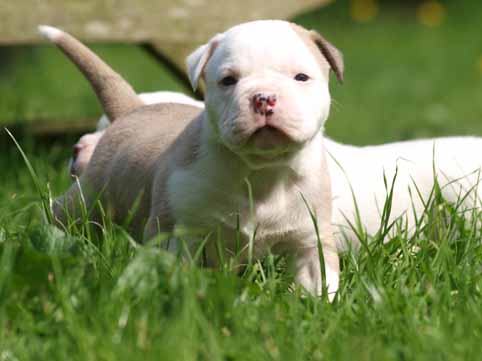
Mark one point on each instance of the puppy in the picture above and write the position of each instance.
(251, 167)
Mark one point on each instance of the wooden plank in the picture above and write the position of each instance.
(173, 57)
(170, 21)
(177, 52)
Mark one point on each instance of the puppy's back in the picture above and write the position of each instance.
(134, 150)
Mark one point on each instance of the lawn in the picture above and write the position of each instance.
(89, 297)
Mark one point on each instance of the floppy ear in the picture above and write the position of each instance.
(331, 54)
(197, 60)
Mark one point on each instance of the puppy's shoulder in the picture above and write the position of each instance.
(143, 136)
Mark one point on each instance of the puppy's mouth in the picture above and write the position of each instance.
(267, 138)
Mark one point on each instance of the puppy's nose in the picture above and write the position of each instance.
(264, 103)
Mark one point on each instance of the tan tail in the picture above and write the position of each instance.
(114, 93)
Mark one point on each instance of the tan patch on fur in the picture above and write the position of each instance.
(114, 93)
(327, 55)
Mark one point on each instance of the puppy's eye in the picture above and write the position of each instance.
(302, 77)
(228, 80)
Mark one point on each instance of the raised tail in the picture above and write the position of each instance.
(114, 93)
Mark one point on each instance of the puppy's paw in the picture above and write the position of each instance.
(309, 276)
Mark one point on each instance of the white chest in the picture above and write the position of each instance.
(275, 216)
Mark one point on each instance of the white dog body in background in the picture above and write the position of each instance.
(360, 171)
(454, 161)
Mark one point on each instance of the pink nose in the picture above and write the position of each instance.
(264, 103)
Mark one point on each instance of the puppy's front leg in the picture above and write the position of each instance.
(308, 272)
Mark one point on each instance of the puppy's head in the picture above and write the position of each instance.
(266, 87)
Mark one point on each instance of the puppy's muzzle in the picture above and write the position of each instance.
(267, 133)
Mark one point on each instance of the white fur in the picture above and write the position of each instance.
(283, 208)
(50, 32)
(455, 162)
(170, 97)
(303, 106)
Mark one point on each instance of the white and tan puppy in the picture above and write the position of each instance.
(245, 166)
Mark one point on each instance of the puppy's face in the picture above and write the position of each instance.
(266, 88)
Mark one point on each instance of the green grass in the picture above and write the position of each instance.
(107, 298)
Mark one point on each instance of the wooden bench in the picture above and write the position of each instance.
(168, 29)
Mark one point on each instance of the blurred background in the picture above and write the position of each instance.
(413, 69)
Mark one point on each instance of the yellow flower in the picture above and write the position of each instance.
(363, 10)
(431, 13)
